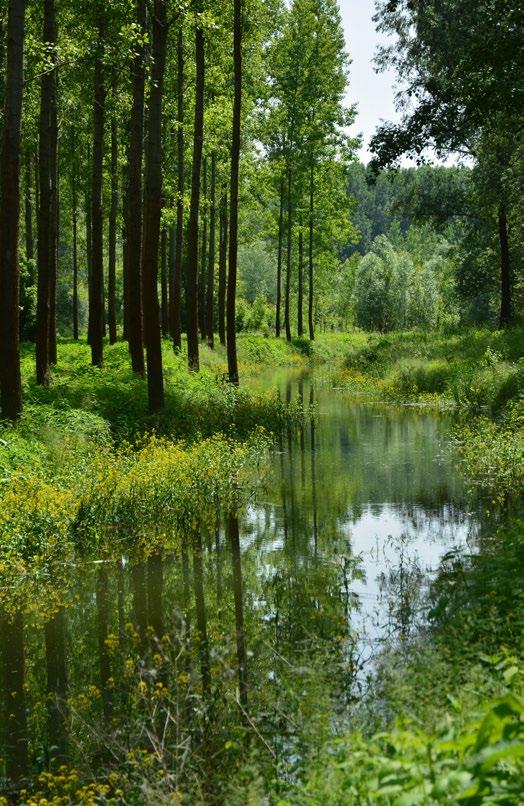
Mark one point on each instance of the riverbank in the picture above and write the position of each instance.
(98, 495)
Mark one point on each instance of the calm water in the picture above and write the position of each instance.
(357, 508)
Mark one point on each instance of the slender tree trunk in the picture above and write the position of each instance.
(163, 282)
(222, 269)
(176, 325)
(28, 212)
(232, 362)
(97, 242)
(300, 323)
(505, 270)
(113, 213)
(192, 232)
(74, 202)
(288, 258)
(211, 261)
(153, 210)
(234, 538)
(310, 255)
(279, 258)
(203, 259)
(47, 157)
(53, 279)
(133, 202)
(15, 710)
(89, 249)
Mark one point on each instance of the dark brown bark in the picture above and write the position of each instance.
(133, 201)
(232, 362)
(74, 202)
(176, 325)
(96, 286)
(113, 214)
(279, 258)
(11, 392)
(506, 312)
(234, 538)
(163, 282)
(300, 322)
(287, 322)
(211, 257)
(15, 711)
(222, 269)
(203, 259)
(194, 208)
(311, 323)
(153, 210)
(28, 215)
(89, 246)
(56, 687)
(47, 156)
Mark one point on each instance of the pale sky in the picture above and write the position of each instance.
(374, 93)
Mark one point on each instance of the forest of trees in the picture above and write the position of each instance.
(186, 168)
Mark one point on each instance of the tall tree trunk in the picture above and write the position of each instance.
(300, 323)
(288, 257)
(310, 254)
(222, 270)
(113, 213)
(47, 156)
(153, 210)
(279, 258)
(11, 391)
(232, 363)
(74, 203)
(194, 208)
(133, 202)
(176, 325)
(12, 646)
(28, 214)
(96, 285)
(164, 308)
(53, 279)
(211, 260)
(203, 258)
(89, 248)
(505, 269)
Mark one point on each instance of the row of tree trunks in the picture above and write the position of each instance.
(176, 324)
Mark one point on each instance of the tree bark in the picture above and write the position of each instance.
(47, 157)
(279, 259)
(11, 391)
(74, 202)
(192, 232)
(300, 323)
(133, 202)
(506, 313)
(164, 308)
(222, 270)
(176, 325)
(96, 286)
(203, 259)
(153, 210)
(28, 215)
(232, 362)
(211, 258)
(288, 257)
(113, 213)
(310, 253)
